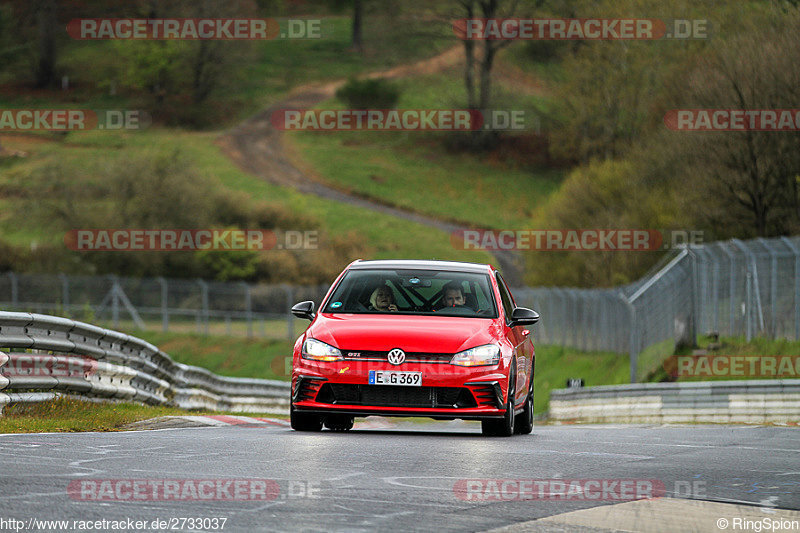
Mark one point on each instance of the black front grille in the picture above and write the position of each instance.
(306, 388)
(487, 394)
(396, 396)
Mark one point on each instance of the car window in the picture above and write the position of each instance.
(412, 292)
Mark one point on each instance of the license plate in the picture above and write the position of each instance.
(388, 377)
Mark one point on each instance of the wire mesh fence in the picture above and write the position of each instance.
(199, 306)
(732, 288)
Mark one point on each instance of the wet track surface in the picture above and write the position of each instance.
(398, 479)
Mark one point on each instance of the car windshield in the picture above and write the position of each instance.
(417, 292)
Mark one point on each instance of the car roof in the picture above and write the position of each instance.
(413, 264)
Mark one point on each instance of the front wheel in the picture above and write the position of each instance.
(503, 427)
(304, 421)
(524, 421)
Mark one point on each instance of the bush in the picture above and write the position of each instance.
(369, 94)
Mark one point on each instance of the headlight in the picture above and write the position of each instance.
(488, 354)
(319, 351)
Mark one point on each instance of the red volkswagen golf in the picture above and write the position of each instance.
(415, 338)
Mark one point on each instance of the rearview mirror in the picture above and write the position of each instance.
(522, 316)
(304, 310)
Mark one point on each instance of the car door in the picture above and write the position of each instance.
(518, 337)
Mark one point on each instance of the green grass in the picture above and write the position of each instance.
(415, 171)
(68, 415)
(385, 236)
(732, 346)
(556, 364)
(226, 356)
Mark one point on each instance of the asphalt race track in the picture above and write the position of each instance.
(403, 478)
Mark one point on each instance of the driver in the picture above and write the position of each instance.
(453, 295)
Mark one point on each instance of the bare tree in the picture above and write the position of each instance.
(358, 13)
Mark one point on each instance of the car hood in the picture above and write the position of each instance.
(428, 334)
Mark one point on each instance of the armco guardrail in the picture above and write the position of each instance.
(78, 359)
(748, 402)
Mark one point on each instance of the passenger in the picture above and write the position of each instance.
(382, 299)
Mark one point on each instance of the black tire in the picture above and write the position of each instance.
(339, 422)
(304, 421)
(523, 425)
(503, 427)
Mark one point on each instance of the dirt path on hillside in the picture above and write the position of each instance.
(258, 148)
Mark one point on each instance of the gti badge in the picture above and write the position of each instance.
(397, 356)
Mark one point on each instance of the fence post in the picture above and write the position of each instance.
(754, 273)
(748, 289)
(796, 253)
(164, 304)
(633, 351)
(731, 293)
(65, 294)
(204, 298)
(289, 315)
(114, 302)
(773, 287)
(248, 307)
(694, 319)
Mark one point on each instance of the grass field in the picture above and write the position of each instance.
(67, 415)
(385, 236)
(416, 171)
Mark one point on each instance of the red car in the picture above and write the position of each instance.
(415, 338)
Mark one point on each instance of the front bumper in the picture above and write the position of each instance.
(447, 391)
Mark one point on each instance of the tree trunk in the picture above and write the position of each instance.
(486, 74)
(469, 63)
(358, 44)
(46, 28)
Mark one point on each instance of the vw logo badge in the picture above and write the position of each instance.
(397, 356)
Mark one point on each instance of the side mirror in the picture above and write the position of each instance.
(304, 310)
(522, 316)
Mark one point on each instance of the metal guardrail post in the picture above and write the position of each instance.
(796, 253)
